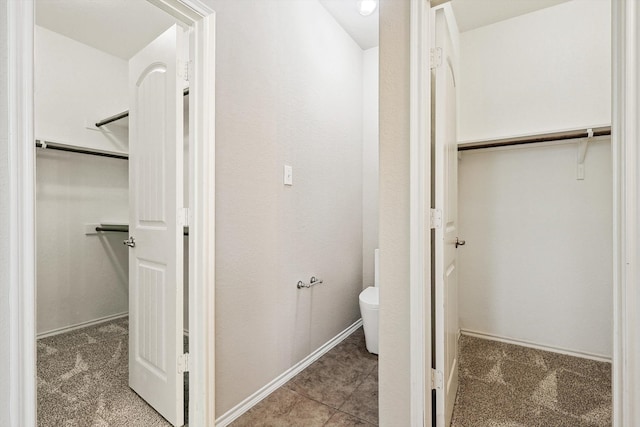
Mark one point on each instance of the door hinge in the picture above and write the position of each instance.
(184, 216)
(435, 57)
(183, 363)
(184, 69)
(436, 218)
(436, 380)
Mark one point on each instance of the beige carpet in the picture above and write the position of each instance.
(83, 380)
(503, 385)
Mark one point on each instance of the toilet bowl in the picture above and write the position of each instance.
(369, 304)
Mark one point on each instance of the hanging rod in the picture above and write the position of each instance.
(48, 145)
(118, 228)
(535, 139)
(124, 114)
(125, 228)
(113, 118)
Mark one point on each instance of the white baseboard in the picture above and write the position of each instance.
(93, 322)
(544, 347)
(242, 407)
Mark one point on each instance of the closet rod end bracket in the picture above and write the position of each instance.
(582, 154)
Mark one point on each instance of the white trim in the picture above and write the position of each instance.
(248, 403)
(625, 134)
(187, 11)
(202, 226)
(420, 202)
(22, 388)
(537, 346)
(201, 19)
(81, 325)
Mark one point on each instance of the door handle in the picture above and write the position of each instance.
(460, 243)
(131, 242)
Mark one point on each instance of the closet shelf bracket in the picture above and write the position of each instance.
(582, 154)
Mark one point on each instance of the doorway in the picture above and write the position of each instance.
(534, 236)
(197, 18)
(109, 335)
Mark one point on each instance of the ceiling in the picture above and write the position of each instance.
(112, 26)
(363, 29)
(471, 14)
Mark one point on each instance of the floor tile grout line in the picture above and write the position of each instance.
(346, 413)
(329, 356)
(336, 410)
(351, 394)
(345, 402)
(314, 400)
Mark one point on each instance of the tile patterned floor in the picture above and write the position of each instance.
(339, 389)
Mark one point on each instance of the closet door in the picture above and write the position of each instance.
(156, 226)
(446, 236)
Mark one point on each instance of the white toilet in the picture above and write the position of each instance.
(369, 304)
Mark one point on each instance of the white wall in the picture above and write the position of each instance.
(538, 261)
(370, 165)
(289, 91)
(76, 86)
(537, 265)
(5, 366)
(79, 278)
(541, 72)
(395, 380)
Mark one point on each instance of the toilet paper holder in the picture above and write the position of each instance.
(312, 282)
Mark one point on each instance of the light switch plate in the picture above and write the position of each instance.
(288, 175)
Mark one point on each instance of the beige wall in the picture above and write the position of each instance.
(539, 242)
(4, 224)
(80, 277)
(289, 91)
(539, 246)
(394, 213)
(541, 72)
(370, 166)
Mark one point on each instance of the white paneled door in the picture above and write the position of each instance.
(446, 242)
(156, 221)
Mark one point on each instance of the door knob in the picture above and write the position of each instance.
(131, 242)
(460, 242)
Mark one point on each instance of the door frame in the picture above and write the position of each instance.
(200, 19)
(420, 351)
(626, 223)
(626, 210)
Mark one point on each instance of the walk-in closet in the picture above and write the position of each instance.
(523, 190)
(103, 128)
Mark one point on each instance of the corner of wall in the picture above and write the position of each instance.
(4, 220)
(394, 213)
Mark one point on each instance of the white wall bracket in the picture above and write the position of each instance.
(582, 153)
